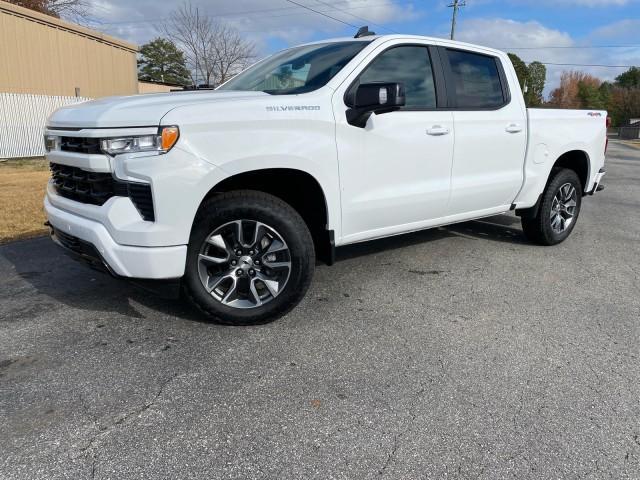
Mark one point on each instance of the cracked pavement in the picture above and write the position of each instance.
(463, 352)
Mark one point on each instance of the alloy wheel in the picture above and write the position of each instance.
(563, 208)
(244, 264)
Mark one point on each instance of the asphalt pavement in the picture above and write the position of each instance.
(462, 352)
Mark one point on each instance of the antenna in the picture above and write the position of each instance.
(364, 32)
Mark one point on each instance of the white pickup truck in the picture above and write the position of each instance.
(235, 192)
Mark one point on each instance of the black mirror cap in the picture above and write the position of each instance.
(379, 95)
(369, 98)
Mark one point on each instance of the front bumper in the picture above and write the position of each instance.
(121, 260)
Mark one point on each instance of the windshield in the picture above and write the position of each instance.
(296, 70)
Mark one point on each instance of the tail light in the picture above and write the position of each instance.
(606, 143)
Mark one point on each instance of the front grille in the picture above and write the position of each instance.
(82, 186)
(80, 145)
(96, 188)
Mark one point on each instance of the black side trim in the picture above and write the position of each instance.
(331, 257)
(438, 76)
(141, 196)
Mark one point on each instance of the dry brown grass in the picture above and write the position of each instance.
(22, 186)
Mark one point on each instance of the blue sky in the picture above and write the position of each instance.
(553, 31)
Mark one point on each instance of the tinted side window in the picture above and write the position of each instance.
(410, 65)
(476, 80)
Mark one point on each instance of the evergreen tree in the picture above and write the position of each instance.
(161, 61)
(629, 79)
(521, 69)
(590, 95)
(532, 77)
(535, 85)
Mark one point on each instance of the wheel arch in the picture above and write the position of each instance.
(298, 188)
(578, 161)
(574, 159)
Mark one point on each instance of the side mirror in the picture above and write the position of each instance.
(371, 98)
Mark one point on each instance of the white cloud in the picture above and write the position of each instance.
(504, 33)
(564, 3)
(626, 30)
(258, 19)
(550, 46)
(597, 3)
(265, 20)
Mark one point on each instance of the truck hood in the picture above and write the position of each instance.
(136, 110)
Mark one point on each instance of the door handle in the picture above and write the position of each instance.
(513, 128)
(437, 130)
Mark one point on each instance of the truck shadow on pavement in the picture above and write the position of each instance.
(56, 279)
(500, 228)
(50, 272)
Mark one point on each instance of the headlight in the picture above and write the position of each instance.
(162, 142)
(51, 142)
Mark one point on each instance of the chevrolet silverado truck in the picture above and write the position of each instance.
(234, 193)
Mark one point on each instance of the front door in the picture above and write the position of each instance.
(395, 172)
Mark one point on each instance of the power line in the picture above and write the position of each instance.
(250, 12)
(323, 14)
(356, 16)
(585, 65)
(570, 47)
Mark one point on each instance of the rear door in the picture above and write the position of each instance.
(490, 132)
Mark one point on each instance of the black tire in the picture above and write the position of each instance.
(253, 206)
(538, 228)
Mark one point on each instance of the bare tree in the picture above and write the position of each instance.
(192, 33)
(232, 53)
(71, 9)
(214, 51)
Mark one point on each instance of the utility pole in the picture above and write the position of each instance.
(456, 5)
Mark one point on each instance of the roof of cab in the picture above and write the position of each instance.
(444, 41)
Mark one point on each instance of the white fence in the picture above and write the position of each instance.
(22, 122)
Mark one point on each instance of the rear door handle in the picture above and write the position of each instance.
(437, 130)
(513, 128)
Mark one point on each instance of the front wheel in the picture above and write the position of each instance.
(558, 211)
(250, 258)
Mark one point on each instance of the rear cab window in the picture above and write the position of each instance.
(476, 80)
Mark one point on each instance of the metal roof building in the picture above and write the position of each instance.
(43, 55)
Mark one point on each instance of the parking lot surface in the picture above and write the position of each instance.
(461, 352)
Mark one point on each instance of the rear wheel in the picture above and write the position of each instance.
(558, 211)
(250, 258)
